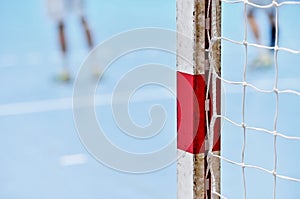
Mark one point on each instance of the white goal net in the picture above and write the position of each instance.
(260, 99)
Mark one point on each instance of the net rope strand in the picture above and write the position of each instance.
(277, 98)
(244, 99)
(213, 76)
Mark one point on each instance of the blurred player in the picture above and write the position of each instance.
(58, 9)
(264, 58)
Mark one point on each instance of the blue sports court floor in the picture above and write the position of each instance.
(41, 154)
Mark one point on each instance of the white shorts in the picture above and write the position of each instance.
(58, 9)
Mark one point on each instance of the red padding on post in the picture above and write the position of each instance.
(191, 125)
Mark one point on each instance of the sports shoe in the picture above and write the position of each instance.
(264, 59)
(64, 76)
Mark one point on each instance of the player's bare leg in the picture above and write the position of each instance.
(94, 65)
(87, 32)
(62, 38)
(254, 27)
(65, 74)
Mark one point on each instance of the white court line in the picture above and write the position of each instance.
(74, 159)
(105, 99)
(37, 58)
(67, 103)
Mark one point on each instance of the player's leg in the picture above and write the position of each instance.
(87, 32)
(65, 74)
(263, 57)
(94, 64)
(62, 37)
(253, 25)
(78, 9)
(56, 10)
